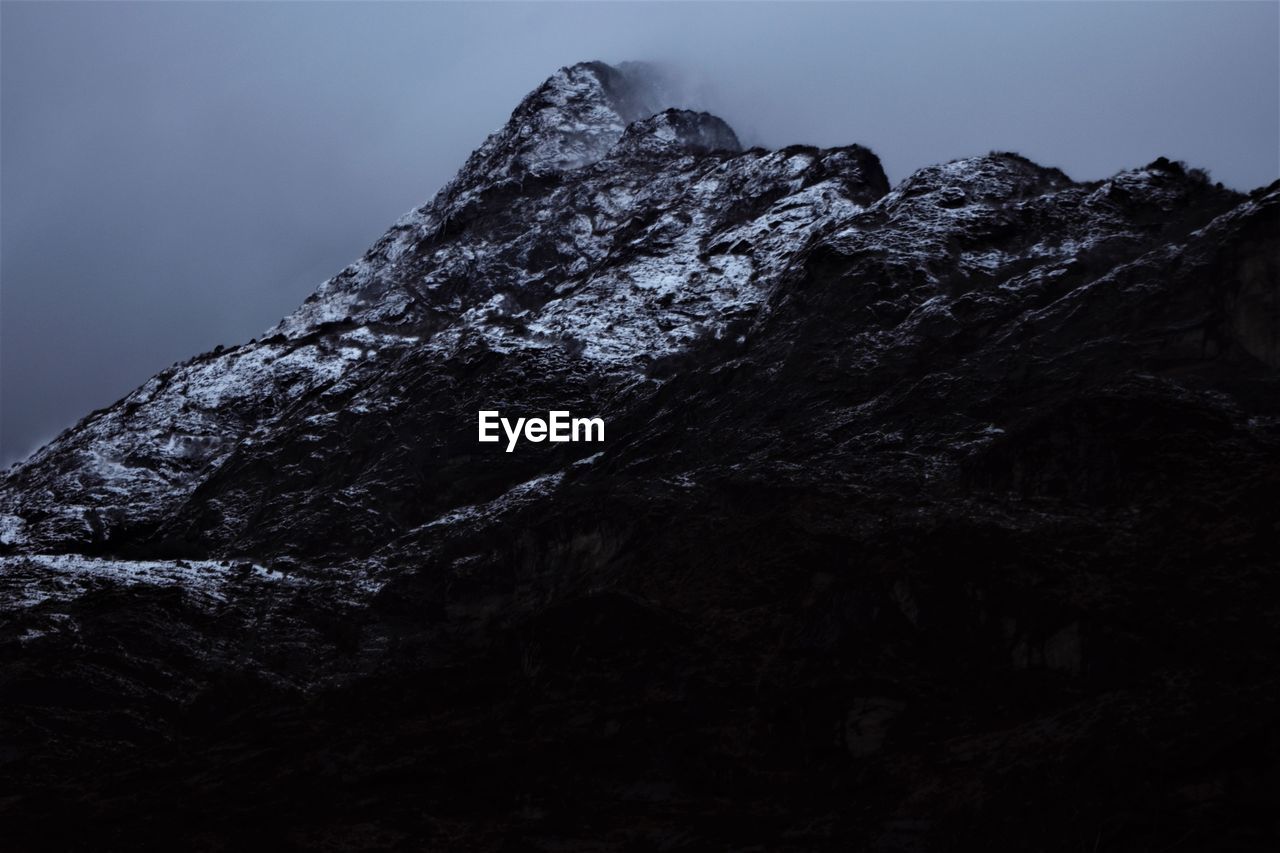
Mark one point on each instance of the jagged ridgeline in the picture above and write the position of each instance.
(927, 518)
(593, 236)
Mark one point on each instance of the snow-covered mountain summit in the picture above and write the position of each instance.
(922, 509)
(594, 220)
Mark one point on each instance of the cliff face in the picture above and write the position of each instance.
(927, 516)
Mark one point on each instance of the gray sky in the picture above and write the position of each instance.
(175, 176)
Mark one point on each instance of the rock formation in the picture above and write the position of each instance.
(937, 516)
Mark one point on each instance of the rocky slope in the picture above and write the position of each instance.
(929, 517)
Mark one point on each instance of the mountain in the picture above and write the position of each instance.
(934, 516)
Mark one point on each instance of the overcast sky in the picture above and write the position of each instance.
(176, 176)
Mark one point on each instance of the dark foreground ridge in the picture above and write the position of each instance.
(938, 517)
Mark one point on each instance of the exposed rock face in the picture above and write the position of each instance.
(928, 517)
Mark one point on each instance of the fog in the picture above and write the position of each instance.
(176, 176)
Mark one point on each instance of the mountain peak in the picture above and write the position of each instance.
(677, 129)
(876, 462)
(575, 117)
